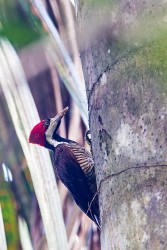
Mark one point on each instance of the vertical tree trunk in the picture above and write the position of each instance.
(124, 55)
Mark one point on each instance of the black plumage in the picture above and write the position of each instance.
(78, 176)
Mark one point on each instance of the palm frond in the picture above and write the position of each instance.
(24, 115)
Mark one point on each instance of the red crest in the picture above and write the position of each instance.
(37, 135)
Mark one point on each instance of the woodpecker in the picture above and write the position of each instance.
(72, 164)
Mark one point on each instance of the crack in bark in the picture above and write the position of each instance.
(108, 68)
(96, 84)
(127, 169)
(116, 174)
(127, 53)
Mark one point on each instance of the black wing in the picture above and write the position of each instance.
(70, 173)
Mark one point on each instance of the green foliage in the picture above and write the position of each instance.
(9, 215)
(18, 23)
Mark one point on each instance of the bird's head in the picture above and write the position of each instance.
(42, 133)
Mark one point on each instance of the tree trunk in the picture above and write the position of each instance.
(124, 56)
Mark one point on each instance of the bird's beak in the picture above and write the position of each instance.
(59, 116)
(63, 112)
(55, 121)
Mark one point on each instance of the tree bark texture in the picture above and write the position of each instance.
(124, 55)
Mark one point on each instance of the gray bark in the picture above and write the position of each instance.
(124, 61)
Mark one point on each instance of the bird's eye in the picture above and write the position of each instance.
(46, 123)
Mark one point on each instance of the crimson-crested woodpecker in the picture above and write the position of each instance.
(72, 164)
